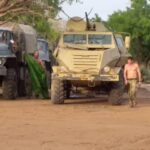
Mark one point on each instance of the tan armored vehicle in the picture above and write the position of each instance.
(15, 41)
(90, 56)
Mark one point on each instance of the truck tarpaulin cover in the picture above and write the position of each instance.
(38, 77)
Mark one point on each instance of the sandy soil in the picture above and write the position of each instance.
(80, 124)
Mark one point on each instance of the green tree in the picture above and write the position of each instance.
(32, 12)
(136, 21)
(28, 6)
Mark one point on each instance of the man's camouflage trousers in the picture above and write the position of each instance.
(132, 91)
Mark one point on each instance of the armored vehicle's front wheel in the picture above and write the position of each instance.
(117, 91)
(57, 91)
(10, 85)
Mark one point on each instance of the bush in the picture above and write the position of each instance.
(146, 74)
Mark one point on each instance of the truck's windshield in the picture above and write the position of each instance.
(75, 38)
(5, 37)
(100, 39)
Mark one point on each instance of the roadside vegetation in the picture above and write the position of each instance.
(134, 20)
(33, 12)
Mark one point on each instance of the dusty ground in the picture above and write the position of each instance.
(87, 124)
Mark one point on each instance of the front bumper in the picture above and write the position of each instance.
(86, 77)
(3, 71)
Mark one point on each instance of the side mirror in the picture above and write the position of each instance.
(127, 42)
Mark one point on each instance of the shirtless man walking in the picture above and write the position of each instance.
(132, 76)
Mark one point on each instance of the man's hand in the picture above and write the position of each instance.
(139, 74)
(139, 84)
(125, 75)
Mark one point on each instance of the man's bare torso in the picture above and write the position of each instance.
(132, 71)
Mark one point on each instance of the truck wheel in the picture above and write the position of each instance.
(116, 93)
(115, 97)
(57, 91)
(10, 85)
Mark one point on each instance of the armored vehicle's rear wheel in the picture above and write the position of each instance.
(116, 93)
(10, 85)
(57, 91)
(115, 97)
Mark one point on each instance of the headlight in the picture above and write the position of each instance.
(107, 69)
(2, 61)
(63, 69)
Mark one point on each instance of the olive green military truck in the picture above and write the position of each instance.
(92, 57)
(15, 41)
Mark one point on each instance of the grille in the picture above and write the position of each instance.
(86, 62)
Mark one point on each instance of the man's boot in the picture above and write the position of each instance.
(134, 103)
(131, 104)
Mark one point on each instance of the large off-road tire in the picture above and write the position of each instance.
(117, 91)
(115, 97)
(57, 91)
(10, 85)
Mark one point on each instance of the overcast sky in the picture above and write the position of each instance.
(103, 7)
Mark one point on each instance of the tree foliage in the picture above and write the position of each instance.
(13, 7)
(32, 12)
(28, 6)
(136, 21)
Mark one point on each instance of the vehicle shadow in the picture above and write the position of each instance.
(78, 99)
(143, 99)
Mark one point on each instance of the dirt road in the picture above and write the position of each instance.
(87, 124)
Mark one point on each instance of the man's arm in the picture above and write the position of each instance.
(125, 74)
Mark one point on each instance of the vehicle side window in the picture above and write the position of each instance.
(5, 37)
(120, 42)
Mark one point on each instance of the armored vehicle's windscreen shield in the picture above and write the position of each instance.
(75, 39)
(100, 39)
(89, 40)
